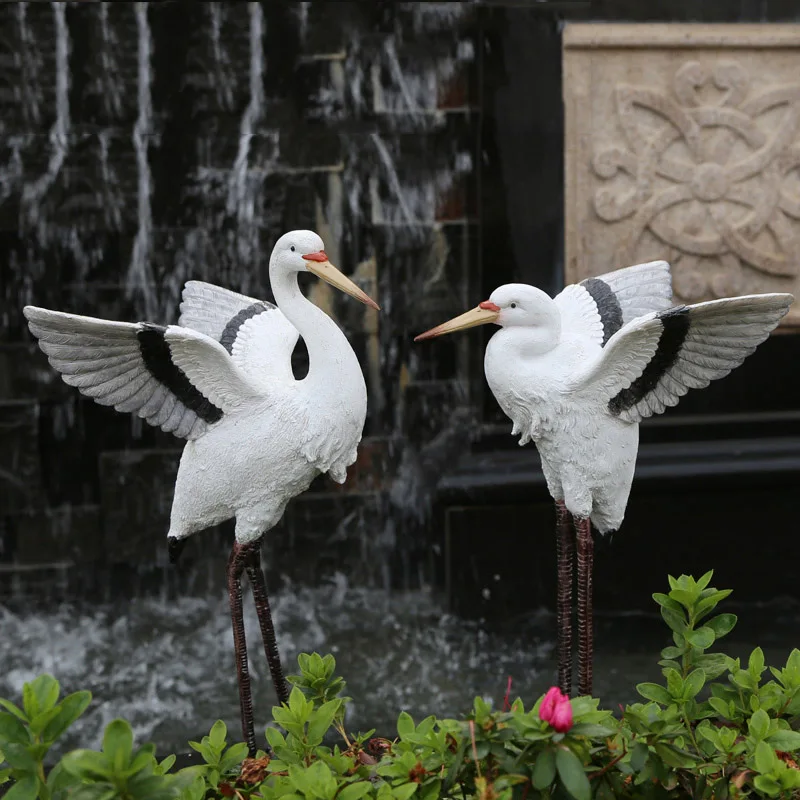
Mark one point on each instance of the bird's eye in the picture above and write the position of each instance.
(513, 305)
(292, 248)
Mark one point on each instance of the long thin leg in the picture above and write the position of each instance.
(565, 550)
(236, 564)
(583, 529)
(259, 588)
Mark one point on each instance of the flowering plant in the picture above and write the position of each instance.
(713, 729)
(556, 709)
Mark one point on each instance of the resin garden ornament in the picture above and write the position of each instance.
(576, 374)
(222, 379)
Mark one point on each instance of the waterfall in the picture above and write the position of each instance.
(140, 277)
(33, 193)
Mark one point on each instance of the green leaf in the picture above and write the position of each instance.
(404, 791)
(544, 770)
(71, 707)
(713, 664)
(720, 706)
(592, 729)
(665, 601)
(673, 756)
(755, 665)
(275, 738)
(767, 785)
(321, 721)
(354, 791)
(674, 682)
(405, 725)
(233, 756)
(722, 624)
(676, 621)
(639, 756)
(15, 710)
(572, 775)
(784, 740)
(217, 734)
(684, 597)
(693, 684)
(40, 721)
(12, 730)
(46, 690)
(758, 724)
(652, 691)
(26, 789)
(702, 637)
(19, 757)
(704, 580)
(118, 744)
(765, 758)
(87, 765)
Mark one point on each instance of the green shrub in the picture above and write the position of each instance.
(712, 729)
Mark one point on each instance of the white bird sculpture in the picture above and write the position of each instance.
(222, 379)
(578, 372)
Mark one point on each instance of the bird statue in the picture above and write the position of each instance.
(578, 372)
(222, 379)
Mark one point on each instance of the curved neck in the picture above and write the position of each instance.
(328, 349)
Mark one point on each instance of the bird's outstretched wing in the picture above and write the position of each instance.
(209, 309)
(598, 307)
(176, 379)
(256, 333)
(653, 361)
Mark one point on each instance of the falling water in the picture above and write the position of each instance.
(140, 275)
(33, 193)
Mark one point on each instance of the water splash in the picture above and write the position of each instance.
(168, 666)
(140, 275)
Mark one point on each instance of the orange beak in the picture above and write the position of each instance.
(322, 268)
(483, 314)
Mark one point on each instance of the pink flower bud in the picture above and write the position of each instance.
(556, 710)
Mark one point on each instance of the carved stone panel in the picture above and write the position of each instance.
(683, 143)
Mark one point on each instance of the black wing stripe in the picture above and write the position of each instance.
(607, 305)
(158, 360)
(676, 325)
(231, 330)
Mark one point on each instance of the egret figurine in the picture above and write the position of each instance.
(578, 372)
(222, 379)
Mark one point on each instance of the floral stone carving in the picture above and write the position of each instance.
(687, 148)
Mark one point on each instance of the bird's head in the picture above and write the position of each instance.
(304, 251)
(511, 305)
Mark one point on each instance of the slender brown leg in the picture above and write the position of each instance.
(565, 550)
(583, 529)
(259, 588)
(236, 564)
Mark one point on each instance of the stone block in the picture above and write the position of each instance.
(25, 374)
(20, 475)
(324, 533)
(67, 534)
(136, 488)
(373, 468)
(683, 143)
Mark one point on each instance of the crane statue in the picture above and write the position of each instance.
(578, 372)
(222, 379)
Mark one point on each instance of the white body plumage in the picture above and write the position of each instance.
(222, 378)
(587, 455)
(578, 372)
